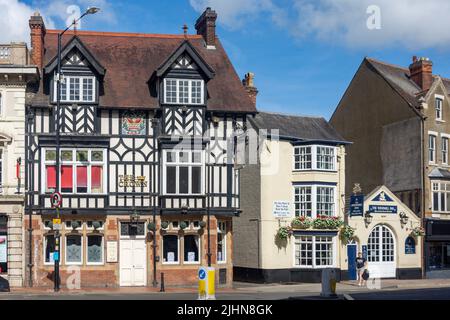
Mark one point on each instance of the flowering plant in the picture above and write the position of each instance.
(347, 233)
(326, 222)
(283, 233)
(301, 223)
(418, 232)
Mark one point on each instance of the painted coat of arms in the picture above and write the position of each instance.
(133, 123)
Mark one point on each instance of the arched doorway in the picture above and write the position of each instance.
(381, 253)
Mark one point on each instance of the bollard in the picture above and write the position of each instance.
(328, 283)
(162, 283)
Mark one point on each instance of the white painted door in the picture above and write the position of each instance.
(381, 253)
(133, 253)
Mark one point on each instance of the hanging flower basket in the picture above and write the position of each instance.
(202, 224)
(301, 223)
(151, 226)
(183, 225)
(284, 233)
(164, 225)
(418, 232)
(347, 233)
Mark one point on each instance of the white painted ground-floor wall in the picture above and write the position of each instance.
(384, 238)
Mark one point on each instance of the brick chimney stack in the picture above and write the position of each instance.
(421, 72)
(37, 28)
(249, 85)
(206, 26)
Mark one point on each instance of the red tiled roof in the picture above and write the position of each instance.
(130, 60)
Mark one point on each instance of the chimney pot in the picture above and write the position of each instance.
(206, 26)
(37, 28)
(421, 72)
(249, 85)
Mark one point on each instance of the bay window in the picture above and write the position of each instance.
(183, 91)
(82, 171)
(315, 200)
(76, 89)
(183, 172)
(314, 251)
(440, 196)
(315, 158)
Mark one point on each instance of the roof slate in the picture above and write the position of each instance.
(298, 127)
(131, 59)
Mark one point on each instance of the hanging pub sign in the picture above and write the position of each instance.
(133, 123)
(356, 205)
(130, 181)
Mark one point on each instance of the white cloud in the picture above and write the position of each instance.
(15, 16)
(415, 24)
(234, 13)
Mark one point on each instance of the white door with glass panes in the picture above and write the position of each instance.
(133, 268)
(381, 253)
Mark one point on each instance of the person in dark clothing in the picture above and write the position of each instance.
(361, 265)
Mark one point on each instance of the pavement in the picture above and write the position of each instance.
(433, 289)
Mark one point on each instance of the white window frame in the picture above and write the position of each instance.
(67, 80)
(199, 248)
(439, 111)
(314, 266)
(190, 81)
(2, 169)
(74, 163)
(314, 160)
(2, 102)
(44, 249)
(314, 193)
(432, 151)
(440, 188)
(67, 263)
(224, 233)
(103, 249)
(178, 262)
(444, 149)
(177, 164)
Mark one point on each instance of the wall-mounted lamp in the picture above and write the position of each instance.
(134, 217)
(368, 218)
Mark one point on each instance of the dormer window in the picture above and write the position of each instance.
(438, 104)
(183, 91)
(77, 89)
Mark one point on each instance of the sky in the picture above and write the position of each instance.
(303, 53)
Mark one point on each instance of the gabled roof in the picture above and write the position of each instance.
(75, 43)
(399, 79)
(131, 59)
(183, 48)
(299, 128)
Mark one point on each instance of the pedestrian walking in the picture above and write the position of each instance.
(361, 265)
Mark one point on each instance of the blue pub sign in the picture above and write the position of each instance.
(356, 205)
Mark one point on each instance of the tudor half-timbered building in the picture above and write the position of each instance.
(147, 131)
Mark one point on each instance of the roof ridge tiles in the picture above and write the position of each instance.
(291, 115)
(125, 34)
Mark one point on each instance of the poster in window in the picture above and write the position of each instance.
(191, 256)
(170, 257)
(3, 249)
(133, 123)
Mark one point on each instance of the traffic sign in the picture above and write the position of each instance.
(56, 200)
(202, 274)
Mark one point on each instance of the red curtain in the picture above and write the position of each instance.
(82, 177)
(96, 177)
(66, 177)
(51, 177)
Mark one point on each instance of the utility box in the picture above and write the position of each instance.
(329, 283)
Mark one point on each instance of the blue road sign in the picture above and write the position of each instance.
(202, 274)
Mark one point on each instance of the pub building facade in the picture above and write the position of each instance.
(147, 130)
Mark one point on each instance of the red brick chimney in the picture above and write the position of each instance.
(37, 28)
(421, 72)
(249, 85)
(206, 26)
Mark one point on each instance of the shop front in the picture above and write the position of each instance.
(389, 236)
(438, 248)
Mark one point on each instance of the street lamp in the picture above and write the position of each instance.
(368, 218)
(90, 10)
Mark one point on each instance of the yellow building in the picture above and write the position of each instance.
(292, 202)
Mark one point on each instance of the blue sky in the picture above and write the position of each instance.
(304, 53)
